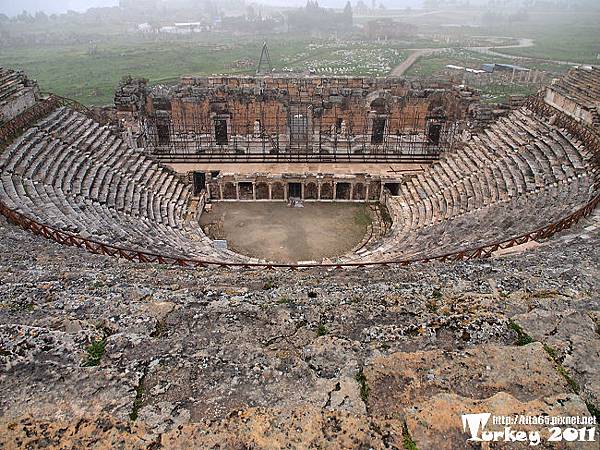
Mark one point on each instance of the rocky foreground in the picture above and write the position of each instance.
(101, 353)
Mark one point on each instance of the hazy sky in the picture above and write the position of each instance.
(338, 3)
(13, 7)
(341, 3)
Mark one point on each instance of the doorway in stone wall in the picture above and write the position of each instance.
(221, 137)
(164, 134)
(393, 188)
(294, 190)
(199, 182)
(378, 130)
(434, 133)
(298, 123)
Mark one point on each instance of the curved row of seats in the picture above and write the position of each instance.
(71, 173)
(520, 174)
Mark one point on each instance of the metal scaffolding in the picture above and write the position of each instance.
(300, 134)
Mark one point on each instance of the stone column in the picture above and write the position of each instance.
(302, 190)
(351, 191)
(253, 191)
(334, 190)
(221, 191)
(318, 191)
(237, 190)
(367, 191)
(270, 191)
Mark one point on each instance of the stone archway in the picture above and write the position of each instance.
(379, 109)
(229, 191)
(377, 100)
(277, 191)
(327, 191)
(262, 191)
(358, 192)
(246, 190)
(311, 191)
(342, 191)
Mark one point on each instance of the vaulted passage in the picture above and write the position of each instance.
(246, 191)
(342, 191)
(164, 137)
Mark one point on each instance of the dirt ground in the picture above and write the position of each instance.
(276, 232)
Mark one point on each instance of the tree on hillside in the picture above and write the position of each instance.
(41, 16)
(348, 14)
(25, 17)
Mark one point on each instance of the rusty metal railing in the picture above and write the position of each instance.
(588, 137)
(65, 101)
(100, 248)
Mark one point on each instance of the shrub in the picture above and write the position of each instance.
(94, 353)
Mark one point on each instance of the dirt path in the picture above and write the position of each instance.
(492, 52)
(413, 58)
(416, 54)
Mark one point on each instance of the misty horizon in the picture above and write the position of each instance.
(62, 6)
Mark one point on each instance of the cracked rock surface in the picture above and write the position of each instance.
(98, 352)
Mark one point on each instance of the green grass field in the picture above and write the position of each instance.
(71, 71)
(91, 78)
(567, 36)
(494, 93)
(434, 64)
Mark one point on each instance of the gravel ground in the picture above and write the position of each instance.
(99, 352)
